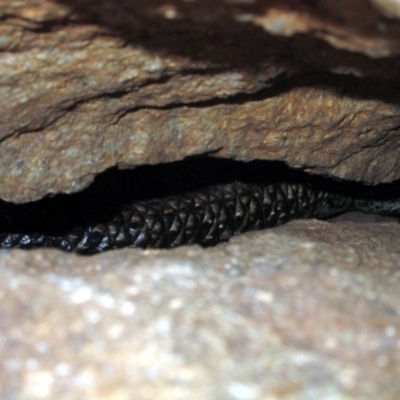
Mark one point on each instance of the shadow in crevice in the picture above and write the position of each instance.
(226, 45)
(114, 189)
(344, 86)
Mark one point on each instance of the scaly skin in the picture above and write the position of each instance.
(205, 217)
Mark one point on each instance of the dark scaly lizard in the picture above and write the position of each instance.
(206, 217)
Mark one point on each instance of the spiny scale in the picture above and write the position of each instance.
(205, 217)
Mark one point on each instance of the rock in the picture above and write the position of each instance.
(90, 85)
(284, 317)
(309, 310)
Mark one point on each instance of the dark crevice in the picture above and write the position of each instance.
(51, 26)
(223, 40)
(47, 26)
(115, 188)
(346, 86)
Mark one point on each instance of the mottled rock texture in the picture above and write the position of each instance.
(308, 311)
(282, 318)
(87, 85)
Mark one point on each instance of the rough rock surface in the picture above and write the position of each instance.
(308, 311)
(90, 85)
(282, 318)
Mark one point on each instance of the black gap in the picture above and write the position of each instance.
(222, 41)
(115, 188)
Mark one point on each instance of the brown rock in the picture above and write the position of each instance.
(283, 317)
(389, 8)
(353, 25)
(310, 310)
(83, 92)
